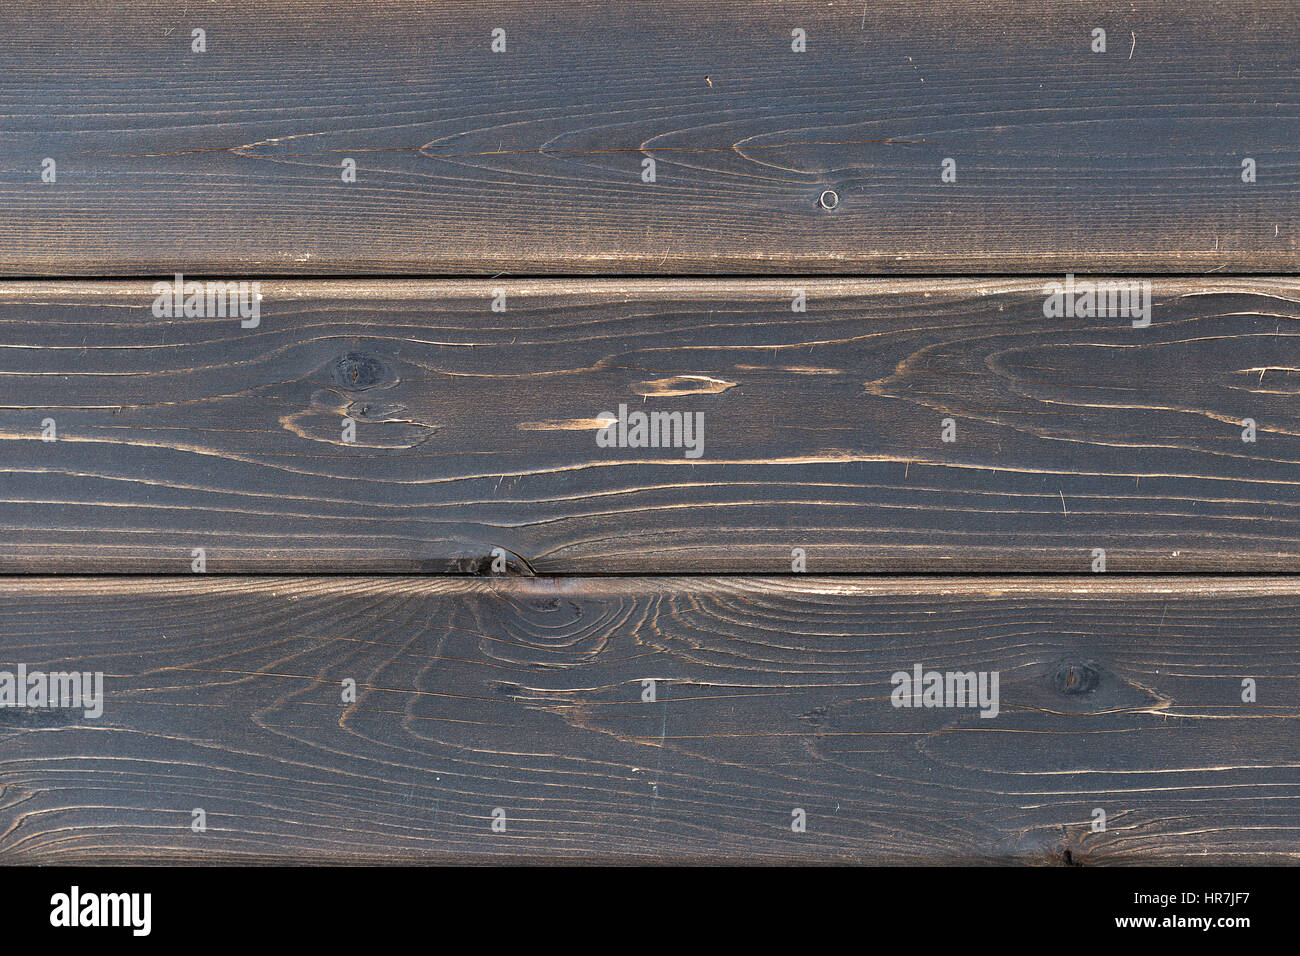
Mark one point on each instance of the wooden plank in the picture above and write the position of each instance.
(823, 430)
(531, 159)
(770, 695)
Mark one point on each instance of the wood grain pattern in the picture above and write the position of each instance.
(823, 430)
(771, 694)
(472, 162)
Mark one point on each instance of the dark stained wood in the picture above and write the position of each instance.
(477, 162)
(771, 694)
(477, 430)
(526, 690)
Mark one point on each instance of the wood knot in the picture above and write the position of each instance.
(494, 564)
(356, 371)
(1068, 857)
(1076, 677)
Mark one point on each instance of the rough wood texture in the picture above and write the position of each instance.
(471, 161)
(823, 430)
(771, 695)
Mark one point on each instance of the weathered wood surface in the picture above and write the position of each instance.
(470, 161)
(771, 694)
(823, 430)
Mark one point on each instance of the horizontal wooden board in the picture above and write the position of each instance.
(770, 695)
(531, 159)
(477, 430)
